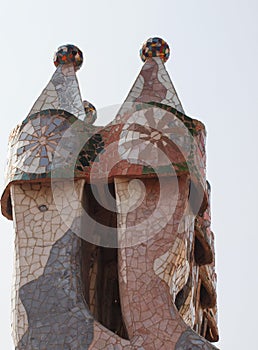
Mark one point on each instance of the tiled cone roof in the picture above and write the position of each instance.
(62, 91)
(153, 84)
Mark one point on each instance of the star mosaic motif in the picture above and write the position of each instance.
(38, 141)
(150, 135)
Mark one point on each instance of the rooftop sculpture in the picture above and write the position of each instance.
(114, 248)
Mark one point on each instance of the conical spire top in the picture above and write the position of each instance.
(153, 84)
(62, 91)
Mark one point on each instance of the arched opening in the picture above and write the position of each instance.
(100, 265)
(202, 251)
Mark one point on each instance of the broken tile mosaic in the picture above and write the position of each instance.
(113, 241)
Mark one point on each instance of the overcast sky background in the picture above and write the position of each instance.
(213, 65)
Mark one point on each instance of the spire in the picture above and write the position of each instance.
(62, 92)
(153, 84)
(34, 143)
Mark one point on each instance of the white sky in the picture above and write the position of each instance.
(213, 64)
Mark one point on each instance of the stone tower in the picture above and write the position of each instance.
(114, 248)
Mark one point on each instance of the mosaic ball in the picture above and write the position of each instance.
(155, 47)
(68, 54)
(90, 111)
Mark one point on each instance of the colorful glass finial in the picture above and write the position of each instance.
(68, 54)
(155, 47)
(90, 111)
